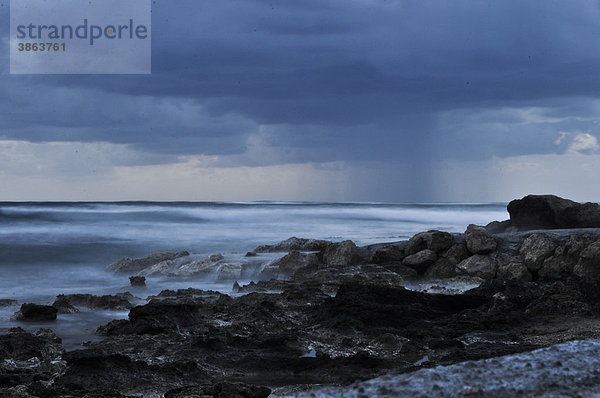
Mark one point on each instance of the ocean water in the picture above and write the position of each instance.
(52, 248)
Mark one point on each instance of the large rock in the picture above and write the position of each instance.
(228, 272)
(496, 227)
(442, 268)
(478, 240)
(288, 264)
(420, 261)
(556, 267)
(432, 240)
(68, 303)
(203, 267)
(387, 254)
(588, 266)
(457, 253)
(576, 244)
(550, 211)
(535, 249)
(478, 265)
(512, 268)
(340, 254)
(129, 265)
(293, 243)
(36, 312)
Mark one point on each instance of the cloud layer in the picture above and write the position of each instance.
(390, 87)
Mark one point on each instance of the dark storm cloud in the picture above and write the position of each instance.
(336, 80)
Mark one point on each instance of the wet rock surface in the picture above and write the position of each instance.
(311, 332)
(565, 370)
(69, 303)
(294, 243)
(128, 265)
(36, 312)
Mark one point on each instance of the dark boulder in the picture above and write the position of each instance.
(536, 248)
(442, 268)
(137, 281)
(588, 266)
(120, 301)
(387, 254)
(556, 267)
(482, 266)
(496, 227)
(433, 240)
(63, 305)
(288, 264)
(478, 240)
(457, 253)
(341, 253)
(512, 268)
(36, 312)
(551, 212)
(420, 261)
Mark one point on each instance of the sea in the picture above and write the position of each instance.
(53, 248)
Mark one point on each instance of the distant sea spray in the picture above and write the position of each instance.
(98, 233)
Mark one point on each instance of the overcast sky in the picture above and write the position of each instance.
(363, 100)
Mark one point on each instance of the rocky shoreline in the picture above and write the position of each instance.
(331, 313)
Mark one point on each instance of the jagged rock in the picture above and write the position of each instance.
(25, 357)
(496, 227)
(576, 244)
(293, 243)
(272, 285)
(220, 390)
(162, 268)
(457, 253)
(36, 312)
(120, 301)
(535, 249)
(203, 267)
(63, 305)
(387, 254)
(251, 254)
(550, 211)
(482, 266)
(137, 280)
(588, 266)
(512, 268)
(556, 267)
(478, 240)
(288, 264)
(340, 254)
(432, 240)
(227, 272)
(128, 265)
(295, 260)
(442, 268)
(190, 292)
(421, 260)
